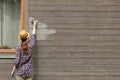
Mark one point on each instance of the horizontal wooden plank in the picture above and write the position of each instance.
(77, 2)
(76, 63)
(79, 20)
(75, 67)
(6, 72)
(82, 43)
(99, 73)
(79, 32)
(79, 55)
(78, 37)
(5, 77)
(75, 14)
(6, 66)
(62, 77)
(81, 69)
(7, 55)
(77, 49)
(38, 7)
(77, 26)
(6, 61)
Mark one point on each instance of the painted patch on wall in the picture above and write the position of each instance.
(42, 30)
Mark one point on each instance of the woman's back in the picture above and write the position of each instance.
(25, 63)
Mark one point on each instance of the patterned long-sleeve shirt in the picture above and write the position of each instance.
(24, 62)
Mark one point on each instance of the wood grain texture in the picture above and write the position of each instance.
(86, 42)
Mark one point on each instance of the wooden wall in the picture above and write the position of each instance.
(85, 46)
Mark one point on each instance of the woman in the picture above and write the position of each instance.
(23, 65)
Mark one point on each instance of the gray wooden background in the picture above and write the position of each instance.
(76, 40)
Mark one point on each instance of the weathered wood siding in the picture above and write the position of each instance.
(5, 69)
(85, 46)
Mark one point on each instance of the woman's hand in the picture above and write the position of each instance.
(34, 26)
(35, 23)
(12, 73)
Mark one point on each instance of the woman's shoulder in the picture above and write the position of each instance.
(32, 37)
